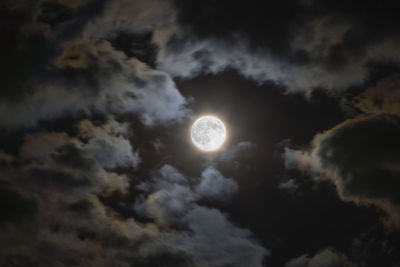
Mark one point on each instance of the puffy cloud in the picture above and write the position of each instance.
(56, 182)
(302, 160)
(325, 258)
(108, 144)
(171, 194)
(233, 245)
(57, 160)
(98, 79)
(211, 239)
(60, 189)
(214, 186)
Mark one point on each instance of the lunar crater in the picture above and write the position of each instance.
(208, 133)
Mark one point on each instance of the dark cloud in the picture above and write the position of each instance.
(360, 156)
(383, 98)
(376, 247)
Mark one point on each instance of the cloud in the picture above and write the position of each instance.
(360, 156)
(233, 245)
(214, 186)
(57, 160)
(299, 159)
(69, 65)
(192, 58)
(60, 182)
(315, 45)
(210, 239)
(168, 199)
(318, 47)
(325, 258)
(228, 154)
(187, 56)
(55, 185)
(92, 74)
(108, 144)
(383, 98)
(171, 194)
(96, 78)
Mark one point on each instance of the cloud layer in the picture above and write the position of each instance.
(84, 60)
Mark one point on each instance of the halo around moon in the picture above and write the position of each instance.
(208, 133)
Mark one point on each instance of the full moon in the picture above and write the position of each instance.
(208, 133)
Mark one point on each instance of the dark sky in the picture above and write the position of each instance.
(96, 104)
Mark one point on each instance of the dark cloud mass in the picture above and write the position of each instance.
(96, 102)
(361, 157)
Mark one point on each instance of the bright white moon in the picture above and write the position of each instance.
(208, 133)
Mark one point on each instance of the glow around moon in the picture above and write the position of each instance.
(208, 133)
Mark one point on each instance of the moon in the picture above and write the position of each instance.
(208, 133)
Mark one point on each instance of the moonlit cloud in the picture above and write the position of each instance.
(65, 179)
(213, 185)
(172, 201)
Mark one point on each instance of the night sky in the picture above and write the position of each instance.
(97, 100)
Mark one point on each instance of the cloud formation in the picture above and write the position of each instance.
(360, 156)
(313, 49)
(90, 79)
(211, 239)
(59, 185)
